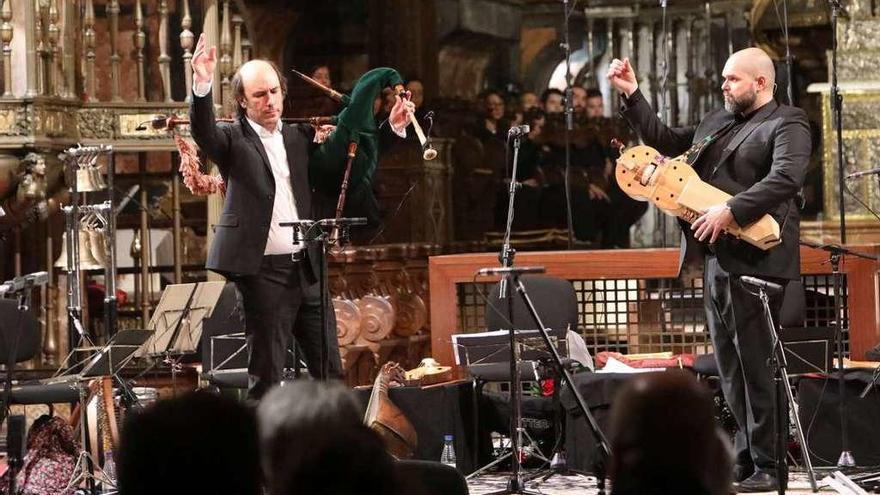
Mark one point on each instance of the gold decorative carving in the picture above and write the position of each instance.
(128, 123)
(55, 121)
(15, 120)
(864, 66)
(861, 146)
(96, 123)
(859, 34)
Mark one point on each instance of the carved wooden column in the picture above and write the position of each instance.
(89, 46)
(246, 49)
(237, 22)
(186, 42)
(40, 39)
(164, 58)
(226, 69)
(140, 41)
(115, 59)
(6, 38)
(54, 35)
(31, 58)
(215, 201)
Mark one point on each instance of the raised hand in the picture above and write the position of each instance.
(622, 76)
(400, 113)
(204, 61)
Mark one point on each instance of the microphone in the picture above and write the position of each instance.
(873, 171)
(770, 287)
(519, 130)
(501, 270)
(130, 194)
(18, 284)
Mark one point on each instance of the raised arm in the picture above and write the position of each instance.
(671, 141)
(210, 138)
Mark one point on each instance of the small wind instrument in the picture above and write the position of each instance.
(428, 151)
(676, 188)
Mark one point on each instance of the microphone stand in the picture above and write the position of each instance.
(516, 483)
(778, 365)
(846, 459)
(569, 121)
(315, 232)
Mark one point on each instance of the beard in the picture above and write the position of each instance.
(739, 105)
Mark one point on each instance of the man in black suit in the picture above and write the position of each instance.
(264, 165)
(757, 151)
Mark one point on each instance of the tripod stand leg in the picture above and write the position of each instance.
(802, 440)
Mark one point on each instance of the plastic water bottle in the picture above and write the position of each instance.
(110, 471)
(448, 455)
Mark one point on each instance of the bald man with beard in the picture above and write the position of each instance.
(265, 166)
(757, 151)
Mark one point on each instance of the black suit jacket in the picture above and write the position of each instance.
(242, 230)
(765, 163)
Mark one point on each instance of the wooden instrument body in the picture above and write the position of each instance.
(676, 188)
(386, 419)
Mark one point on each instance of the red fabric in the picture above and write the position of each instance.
(676, 361)
(197, 182)
(547, 387)
(50, 459)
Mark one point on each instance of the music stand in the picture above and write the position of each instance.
(487, 354)
(121, 349)
(177, 322)
(487, 357)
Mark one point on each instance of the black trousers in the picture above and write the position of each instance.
(743, 345)
(280, 303)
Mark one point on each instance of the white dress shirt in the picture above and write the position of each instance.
(280, 239)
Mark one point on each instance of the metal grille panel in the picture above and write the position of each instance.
(649, 315)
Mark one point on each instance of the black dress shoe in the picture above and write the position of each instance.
(758, 482)
(742, 472)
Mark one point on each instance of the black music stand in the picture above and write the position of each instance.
(111, 358)
(486, 355)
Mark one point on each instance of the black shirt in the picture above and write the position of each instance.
(709, 158)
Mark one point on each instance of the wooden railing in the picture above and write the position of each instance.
(445, 272)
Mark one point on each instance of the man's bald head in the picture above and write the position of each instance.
(249, 74)
(756, 62)
(749, 80)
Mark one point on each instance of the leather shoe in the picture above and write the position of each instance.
(760, 481)
(742, 471)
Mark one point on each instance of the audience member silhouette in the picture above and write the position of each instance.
(313, 441)
(665, 438)
(195, 444)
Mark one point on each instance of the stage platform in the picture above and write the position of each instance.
(565, 485)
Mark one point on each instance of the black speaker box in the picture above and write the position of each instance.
(808, 350)
(819, 411)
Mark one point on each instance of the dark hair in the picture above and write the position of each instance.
(314, 441)
(550, 91)
(663, 432)
(238, 86)
(593, 93)
(533, 114)
(179, 442)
